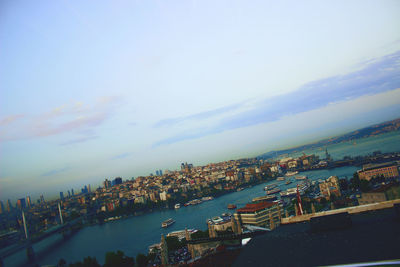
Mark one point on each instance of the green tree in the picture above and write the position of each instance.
(200, 234)
(355, 182)
(118, 259)
(61, 263)
(87, 262)
(141, 260)
(365, 186)
(173, 243)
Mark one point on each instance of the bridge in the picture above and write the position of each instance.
(27, 243)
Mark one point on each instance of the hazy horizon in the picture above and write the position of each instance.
(97, 90)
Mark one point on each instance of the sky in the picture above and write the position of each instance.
(98, 89)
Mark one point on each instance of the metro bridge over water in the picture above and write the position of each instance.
(63, 228)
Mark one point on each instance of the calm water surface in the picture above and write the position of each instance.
(135, 234)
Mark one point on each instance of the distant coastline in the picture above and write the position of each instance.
(373, 130)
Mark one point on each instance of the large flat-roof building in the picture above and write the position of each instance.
(387, 170)
(259, 214)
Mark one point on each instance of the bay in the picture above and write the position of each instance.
(133, 235)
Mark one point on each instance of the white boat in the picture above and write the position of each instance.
(291, 173)
(280, 179)
(302, 177)
(177, 206)
(270, 186)
(167, 223)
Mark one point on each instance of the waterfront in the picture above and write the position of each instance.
(134, 235)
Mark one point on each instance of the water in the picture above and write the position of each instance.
(134, 235)
(386, 143)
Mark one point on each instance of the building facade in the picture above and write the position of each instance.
(387, 170)
(262, 214)
(330, 187)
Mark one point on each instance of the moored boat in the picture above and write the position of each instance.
(264, 198)
(231, 206)
(177, 206)
(291, 173)
(302, 177)
(273, 191)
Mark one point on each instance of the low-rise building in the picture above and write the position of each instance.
(330, 187)
(383, 193)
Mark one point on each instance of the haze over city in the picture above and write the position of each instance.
(94, 90)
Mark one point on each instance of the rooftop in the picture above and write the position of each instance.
(372, 236)
(379, 165)
(253, 207)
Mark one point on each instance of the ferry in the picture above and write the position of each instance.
(289, 193)
(265, 198)
(177, 206)
(280, 179)
(273, 191)
(167, 223)
(302, 177)
(231, 206)
(206, 198)
(269, 187)
(195, 201)
(291, 173)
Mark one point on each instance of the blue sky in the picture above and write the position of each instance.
(98, 89)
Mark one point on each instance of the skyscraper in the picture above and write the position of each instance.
(69, 193)
(28, 200)
(62, 195)
(72, 192)
(41, 199)
(1, 207)
(21, 204)
(9, 206)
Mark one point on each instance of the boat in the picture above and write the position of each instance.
(269, 187)
(291, 173)
(264, 198)
(206, 198)
(167, 223)
(231, 206)
(289, 193)
(195, 201)
(302, 177)
(273, 191)
(177, 206)
(280, 179)
(288, 182)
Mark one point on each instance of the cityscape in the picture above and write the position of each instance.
(285, 197)
(199, 133)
